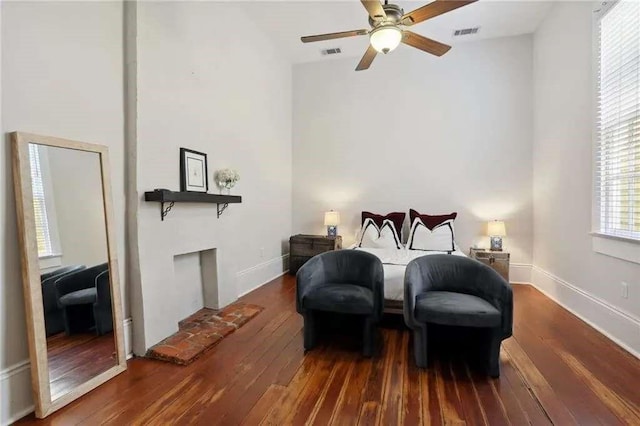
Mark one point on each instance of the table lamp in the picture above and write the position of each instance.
(331, 221)
(496, 231)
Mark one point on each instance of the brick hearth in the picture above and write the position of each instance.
(202, 331)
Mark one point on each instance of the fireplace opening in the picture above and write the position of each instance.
(196, 282)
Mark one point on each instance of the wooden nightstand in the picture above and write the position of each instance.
(304, 247)
(498, 260)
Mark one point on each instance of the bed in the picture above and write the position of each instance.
(394, 262)
(380, 235)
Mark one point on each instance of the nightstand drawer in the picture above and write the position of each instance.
(304, 247)
(495, 256)
(497, 260)
(310, 248)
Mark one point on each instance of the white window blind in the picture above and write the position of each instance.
(45, 246)
(617, 159)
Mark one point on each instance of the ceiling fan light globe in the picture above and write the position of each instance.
(385, 38)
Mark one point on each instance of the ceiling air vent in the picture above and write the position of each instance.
(333, 51)
(466, 32)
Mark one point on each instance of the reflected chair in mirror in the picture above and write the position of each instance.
(341, 282)
(102, 307)
(77, 294)
(457, 291)
(53, 314)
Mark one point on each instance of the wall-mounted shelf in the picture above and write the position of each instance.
(165, 196)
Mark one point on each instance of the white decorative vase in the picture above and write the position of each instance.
(227, 185)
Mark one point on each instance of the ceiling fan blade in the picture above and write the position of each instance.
(331, 36)
(366, 60)
(424, 43)
(432, 10)
(375, 9)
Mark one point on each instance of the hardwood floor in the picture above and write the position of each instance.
(77, 358)
(555, 370)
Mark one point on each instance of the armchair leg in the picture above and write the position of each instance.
(103, 321)
(420, 346)
(309, 331)
(67, 321)
(493, 353)
(369, 337)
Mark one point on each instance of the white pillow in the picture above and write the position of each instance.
(440, 238)
(383, 237)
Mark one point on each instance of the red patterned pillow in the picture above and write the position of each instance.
(431, 221)
(397, 218)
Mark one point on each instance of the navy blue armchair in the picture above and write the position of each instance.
(454, 290)
(345, 282)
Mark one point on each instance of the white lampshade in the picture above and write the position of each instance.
(386, 38)
(331, 218)
(496, 228)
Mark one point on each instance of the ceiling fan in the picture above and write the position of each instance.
(387, 28)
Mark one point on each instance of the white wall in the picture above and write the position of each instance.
(231, 100)
(61, 76)
(415, 131)
(566, 267)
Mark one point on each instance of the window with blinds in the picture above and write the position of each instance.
(617, 162)
(43, 234)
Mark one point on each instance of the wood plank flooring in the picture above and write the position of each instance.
(77, 358)
(555, 370)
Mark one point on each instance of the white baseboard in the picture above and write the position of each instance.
(618, 325)
(15, 388)
(15, 385)
(260, 274)
(520, 273)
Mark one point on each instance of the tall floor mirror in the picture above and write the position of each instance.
(69, 267)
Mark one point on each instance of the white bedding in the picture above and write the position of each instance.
(394, 263)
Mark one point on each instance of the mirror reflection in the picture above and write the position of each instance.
(71, 235)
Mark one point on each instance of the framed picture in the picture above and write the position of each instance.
(193, 171)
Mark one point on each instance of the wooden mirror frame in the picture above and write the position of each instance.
(31, 272)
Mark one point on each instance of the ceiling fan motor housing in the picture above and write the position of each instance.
(394, 15)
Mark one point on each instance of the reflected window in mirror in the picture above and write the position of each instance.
(47, 235)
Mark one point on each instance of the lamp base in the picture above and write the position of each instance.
(332, 231)
(496, 243)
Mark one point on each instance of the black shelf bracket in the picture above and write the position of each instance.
(163, 211)
(222, 208)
